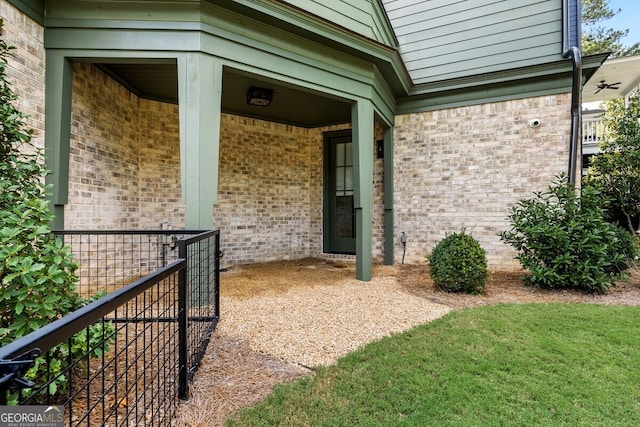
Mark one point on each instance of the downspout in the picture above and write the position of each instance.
(573, 53)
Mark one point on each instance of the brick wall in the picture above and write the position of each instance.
(104, 153)
(159, 166)
(378, 200)
(26, 66)
(125, 157)
(462, 168)
(265, 208)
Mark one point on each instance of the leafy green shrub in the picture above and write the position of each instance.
(615, 166)
(565, 240)
(459, 264)
(37, 272)
(627, 245)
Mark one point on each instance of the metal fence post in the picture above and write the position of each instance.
(216, 274)
(183, 348)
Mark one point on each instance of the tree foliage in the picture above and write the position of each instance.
(599, 39)
(616, 167)
(37, 272)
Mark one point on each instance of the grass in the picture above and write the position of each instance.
(505, 365)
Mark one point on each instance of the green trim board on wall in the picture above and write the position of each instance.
(34, 9)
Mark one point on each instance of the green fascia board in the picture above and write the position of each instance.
(498, 77)
(272, 50)
(381, 14)
(134, 10)
(280, 64)
(300, 18)
(34, 9)
(238, 16)
(295, 21)
(383, 99)
(316, 49)
(545, 79)
(238, 21)
(556, 84)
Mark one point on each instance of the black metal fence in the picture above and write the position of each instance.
(127, 357)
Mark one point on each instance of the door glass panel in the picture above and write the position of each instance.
(340, 158)
(345, 226)
(348, 153)
(348, 179)
(340, 188)
(344, 203)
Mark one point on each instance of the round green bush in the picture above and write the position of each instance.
(459, 264)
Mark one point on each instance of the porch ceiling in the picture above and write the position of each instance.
(622, 74)
(291, 104)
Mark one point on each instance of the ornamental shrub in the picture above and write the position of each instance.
(616, 165)
(459, 264)
(37, 272)
(565, 240)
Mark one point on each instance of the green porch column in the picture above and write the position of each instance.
(199, 98)
(362, 122)
(58, 81)
(389, 238)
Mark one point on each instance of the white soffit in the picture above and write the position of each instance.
(616, 78)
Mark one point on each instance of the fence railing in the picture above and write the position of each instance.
(127, 357)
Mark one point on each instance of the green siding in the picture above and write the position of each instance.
(108, 10)
(442, 40)
(365, 17)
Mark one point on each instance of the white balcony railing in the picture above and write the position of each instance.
(592, 131)
(592, 134)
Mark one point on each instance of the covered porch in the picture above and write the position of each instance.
(135, 118)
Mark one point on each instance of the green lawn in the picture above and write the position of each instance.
(506, 365)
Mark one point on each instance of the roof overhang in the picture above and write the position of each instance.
(541, 80)
(623, 74)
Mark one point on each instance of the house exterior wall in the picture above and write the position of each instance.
(270, 192)
(463, 168)
(125, 174)
(442, 40)
(124, 168)
(26, 68)
(266, 207)
(104, 153)
(159, 166)
(454, 168)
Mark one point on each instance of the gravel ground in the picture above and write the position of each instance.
(280, 319)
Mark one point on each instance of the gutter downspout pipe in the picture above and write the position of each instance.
(575, 146)
(573, 53)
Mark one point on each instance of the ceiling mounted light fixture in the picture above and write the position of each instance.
(259, 96)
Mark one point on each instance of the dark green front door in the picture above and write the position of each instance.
(340, 219)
